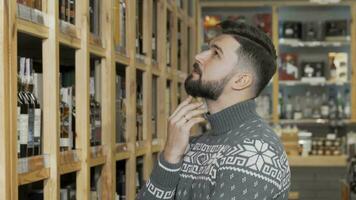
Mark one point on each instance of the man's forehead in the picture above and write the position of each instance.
(225, 40)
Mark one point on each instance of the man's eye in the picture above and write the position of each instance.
(215, 53)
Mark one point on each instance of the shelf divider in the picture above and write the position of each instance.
(51, 102)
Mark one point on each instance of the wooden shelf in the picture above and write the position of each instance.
(317, 161)
(69, 161)
(56, 32)
(141, 148)
(120, 58)
(97, 50)
(33, 176)
(69, 168)
(141, 62)
(69, 40)
(316, 121)
(311, 83)
(312, 44)
(121, 152)
(97, 161)
(155, 70)
(122, 156)
(32, 169)
(37, 30)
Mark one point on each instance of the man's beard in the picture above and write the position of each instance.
(205, 89)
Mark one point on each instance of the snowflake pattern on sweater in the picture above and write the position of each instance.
(245, 163)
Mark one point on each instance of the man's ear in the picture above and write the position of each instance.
(242, 81)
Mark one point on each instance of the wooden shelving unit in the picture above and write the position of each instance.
(53, 163)
(317, 161)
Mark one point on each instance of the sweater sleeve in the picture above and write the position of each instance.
(234, 185)
(162, 182)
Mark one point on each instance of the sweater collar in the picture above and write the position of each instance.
(232, 117)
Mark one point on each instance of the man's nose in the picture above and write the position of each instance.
(202, 56)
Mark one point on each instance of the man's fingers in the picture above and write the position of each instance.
(193, 122)
(181, 105)
(190, 115)
(186, 109)
(194, 113)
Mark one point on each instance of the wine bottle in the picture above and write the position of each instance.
(37, 128)
(23, 127)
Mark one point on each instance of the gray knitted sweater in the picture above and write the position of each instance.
(240, 158)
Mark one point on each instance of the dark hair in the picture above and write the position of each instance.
(256, 49)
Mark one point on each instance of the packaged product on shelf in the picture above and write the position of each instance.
(289, 68)
(290, 30)
(337, 30)
(313, 71)
(313, 31)
(264, 22)
(66, 108)
(338, 66)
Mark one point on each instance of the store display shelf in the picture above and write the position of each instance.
(97, 50)
(141, 148)
(293, 195)
(97, 151)
(141, 62)
(316, 121)
(97, 156)
(34, 176)
(121, 58)
(37, 30)
(156, 145)
(155, 70)
(299, 43)
(69, 161)
(69, 41)
(318, 161)
(32, 169)
(97, 161)
(156, 148)
(122, 152)
(122, 156)
(311, 83)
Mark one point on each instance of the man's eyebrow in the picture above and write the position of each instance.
(217, 47)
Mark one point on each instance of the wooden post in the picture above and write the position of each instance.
(275, 90)
(353, 62)
(12, 53)
(147, 87)
(109, 99)
(131, 101)
(82, 71)
(174, 53)
(51, 102)
(5, 128)
(162, 61)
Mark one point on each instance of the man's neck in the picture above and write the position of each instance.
(222, 103)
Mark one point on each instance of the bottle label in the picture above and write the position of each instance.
(23, 125)
(18, 128)
(325, 110)
(37, 127)
(31, 123)
(64, 142)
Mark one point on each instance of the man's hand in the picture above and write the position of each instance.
(179, 125)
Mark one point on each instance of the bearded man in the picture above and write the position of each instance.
(240, 157)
